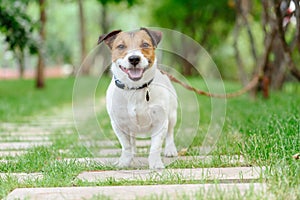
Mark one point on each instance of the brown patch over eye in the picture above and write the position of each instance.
(149, 54)
(146, 46)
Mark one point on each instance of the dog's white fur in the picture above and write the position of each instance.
(131, 113)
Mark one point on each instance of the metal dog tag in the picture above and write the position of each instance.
(147, 95)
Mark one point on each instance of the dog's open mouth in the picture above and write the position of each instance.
(134, 73)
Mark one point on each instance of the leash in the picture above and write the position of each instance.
(240, 92)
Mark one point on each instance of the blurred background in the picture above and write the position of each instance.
(41, 39)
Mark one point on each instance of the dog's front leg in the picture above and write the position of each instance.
(154, 158)
(127, 148)
(170, 148)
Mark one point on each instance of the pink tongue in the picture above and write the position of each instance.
(135, 73)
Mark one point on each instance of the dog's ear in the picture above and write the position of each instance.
(154, 35)
(109, 37)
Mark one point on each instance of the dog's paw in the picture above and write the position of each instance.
(124, 161)
(157, 165)
(155, 162)
(170, 151)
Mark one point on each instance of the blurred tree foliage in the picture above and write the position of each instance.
(244, 37)
(18, 29)
(206, 21)
(277, 56)
(213, 23)
(104, 23)
(17, 26)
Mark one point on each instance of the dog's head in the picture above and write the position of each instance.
(133, 53)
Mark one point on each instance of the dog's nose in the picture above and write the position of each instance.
(134, 60)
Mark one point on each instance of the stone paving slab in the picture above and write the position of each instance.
(26, 133)
(117, 152)
(140, 150)
(221, 174)
(20, 127)
(24, 138)
(143, 143)
(104, 143)
(139, 143)
(112, 148)
(143, 161)
(203, 150)
(133, 192)
(57, 122)
(32, 128)
(4, 161)
(53, 126)
(21, 177)
(113, 143)
(11, 153)
(22, 145)
(109, 152)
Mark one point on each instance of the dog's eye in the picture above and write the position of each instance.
(121, 46)
(145, 45)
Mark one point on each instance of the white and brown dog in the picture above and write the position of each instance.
(140, 99)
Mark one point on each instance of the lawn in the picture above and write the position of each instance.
(265, 131)
(19, 100)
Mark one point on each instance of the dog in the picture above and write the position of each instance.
(140, 99)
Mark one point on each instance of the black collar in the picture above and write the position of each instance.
(121, 85)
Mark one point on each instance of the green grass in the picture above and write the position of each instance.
(19, 99)
(264, 132)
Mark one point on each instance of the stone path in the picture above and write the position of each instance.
(222, 174)
(139, 162)
(136, 191)
(21, 145)
(16, 139)
(21, 177)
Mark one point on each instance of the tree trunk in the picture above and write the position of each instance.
(104, 21)
(21, 63)
(240, 64)
(187, 68)
(297, 13)
(278, 71)
(287, 52)
(40, 79)
(21, 68)
(263, 65)
(104, 25)
(245, 9)
(189, 57)
(85, 68)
